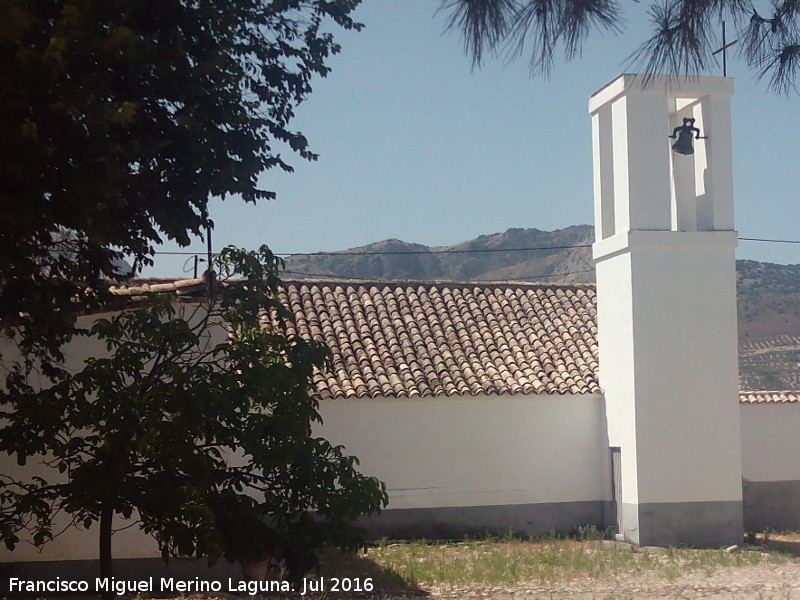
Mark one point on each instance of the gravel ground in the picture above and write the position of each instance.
(766, 580)
(752, 582)
(771, 576)
(764, 575)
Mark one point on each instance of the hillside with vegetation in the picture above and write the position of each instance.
(769, 325)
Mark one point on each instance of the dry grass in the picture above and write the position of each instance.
(512, 561)
(557, 569)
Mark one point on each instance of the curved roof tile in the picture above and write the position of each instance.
(443, 339)
(769, 397)
(422, 339)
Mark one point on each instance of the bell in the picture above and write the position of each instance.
(685, 133)
(683, 145)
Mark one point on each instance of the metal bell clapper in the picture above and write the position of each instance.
(684, 134)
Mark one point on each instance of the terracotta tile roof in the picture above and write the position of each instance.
(415, 339)
(769, 397)
(445, 339)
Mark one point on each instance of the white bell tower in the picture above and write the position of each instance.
(666, 294)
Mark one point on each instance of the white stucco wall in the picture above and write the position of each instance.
(78, 543)
(476, 451)
(615, 328)
(687, 415)
(771, 442)
(667, 337)
(439, 452)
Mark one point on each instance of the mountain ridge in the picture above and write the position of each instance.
(516, 254)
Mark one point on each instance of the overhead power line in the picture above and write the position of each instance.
(400, 252)
(434, 251)
(351, 277)
(470, 251)
(744, 239)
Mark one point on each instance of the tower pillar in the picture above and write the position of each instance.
(666, 294)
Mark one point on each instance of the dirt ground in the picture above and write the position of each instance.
(776, 576)
(766, 580)
(752, 582)
(763, 581)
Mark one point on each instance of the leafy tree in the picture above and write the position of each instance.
(121, 119)
(682, 41)
(198, 424)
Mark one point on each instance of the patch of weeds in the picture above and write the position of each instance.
(510, 560)
(671, 571)
(591, 533)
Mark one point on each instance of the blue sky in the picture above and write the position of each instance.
(416, 145)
